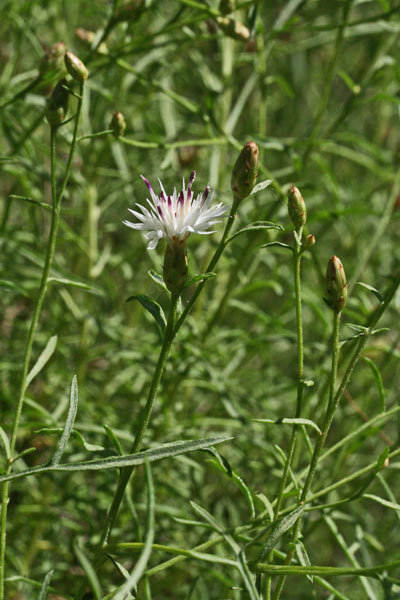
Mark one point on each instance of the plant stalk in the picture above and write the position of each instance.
(51, 244)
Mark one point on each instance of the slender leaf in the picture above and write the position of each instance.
(129, 460)
(141, 564)
(158, 279)
(73, 408)
(279, 245)
(284, 421)
(152, 307)
(371, 289)
(256, 226)
(261, 186)
(198, 278)
(42, 360)
(4, 283)
(382, 501)
(45, 586)
(303, 557)
(284, 525)
(89, 569)
(379, 383)
(6, 443)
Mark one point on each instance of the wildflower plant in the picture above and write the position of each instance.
(229, 430)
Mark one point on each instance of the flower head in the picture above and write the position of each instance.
(176, 216)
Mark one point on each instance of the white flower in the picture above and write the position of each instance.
(176, 216)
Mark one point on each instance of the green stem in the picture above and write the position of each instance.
(334, 400)
(320, 442)
(51, 244)
(39, 303)
(126, 473)
(300, 387)
(327, 571)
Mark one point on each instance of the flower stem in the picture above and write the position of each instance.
(173, 326)
(51, 244)
(300, 387)
(320, 442)
(126, 472)
(210, 267)
(28, 351)
(334, 400)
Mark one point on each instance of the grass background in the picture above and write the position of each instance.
(317, 87)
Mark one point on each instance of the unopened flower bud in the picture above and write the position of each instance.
(57, 104)
(118, 124)
(52, 60)
(296, 207)
(75, 67)
(245, 171)
(233, 29)
(336, 285)
(175, 271)
(226, 6)
(309, 241)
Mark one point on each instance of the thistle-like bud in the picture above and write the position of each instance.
(175, 271)
(233, 29)
(309, 241)
(336, 285)
(245, 171)
(57, 104)
(118, 124)
(52, 59)
(226, 6)
(296, 207)
(75, 67)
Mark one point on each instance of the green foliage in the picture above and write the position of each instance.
(316, 86)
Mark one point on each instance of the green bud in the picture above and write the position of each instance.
(75, 67)
(309, 241)
(245, 171)
(118, 124)
(57, 104)
(296, 207)
(226, 6)
(175, 270)
(233, 29)
(336, 285)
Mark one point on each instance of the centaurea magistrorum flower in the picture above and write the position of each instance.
(176, 216)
